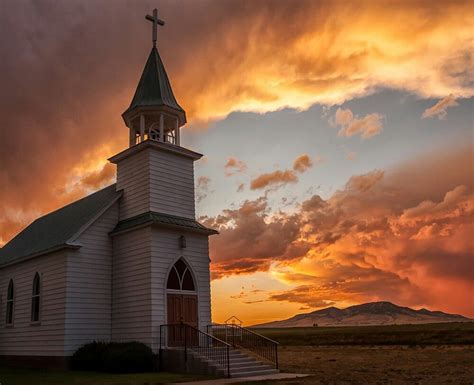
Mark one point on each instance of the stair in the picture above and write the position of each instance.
(244, 365)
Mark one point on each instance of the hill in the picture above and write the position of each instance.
(373, 313)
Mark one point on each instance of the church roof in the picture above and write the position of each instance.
(58, 229)
(165, 220)
(154, 88)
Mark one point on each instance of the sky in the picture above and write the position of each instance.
(338, 138)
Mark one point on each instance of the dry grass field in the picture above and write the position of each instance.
(380, 364)
(424, 354)
(403, 354)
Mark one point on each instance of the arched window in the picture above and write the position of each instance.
(180, 277)
(35, 299)
(10, 298)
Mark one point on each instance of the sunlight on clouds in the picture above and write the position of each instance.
(341, 54)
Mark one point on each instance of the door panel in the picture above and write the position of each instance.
(182, 308)
(190, 310)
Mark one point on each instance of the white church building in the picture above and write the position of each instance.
(117, 264)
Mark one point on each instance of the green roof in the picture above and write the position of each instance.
(57, 229)
(165, 220)
(154, 88)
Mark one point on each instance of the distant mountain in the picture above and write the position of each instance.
(373, 313)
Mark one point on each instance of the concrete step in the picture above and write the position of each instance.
(242, 365)
(248, 365)
(250, 368)
(243, 359)
(254, 373)
(237, 354)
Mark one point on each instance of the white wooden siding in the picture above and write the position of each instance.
(133, 179)
(165, 252)
(155, 180)
(89, 284)
(131, 294)
(171, 184)
(47, 337)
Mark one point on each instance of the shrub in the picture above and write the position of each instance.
(90, 357)
(130, 357)
(113, 357)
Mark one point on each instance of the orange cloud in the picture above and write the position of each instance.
(364, 182)
(367, 126)
(439, 109)
(302, 163)
(329, 54)
(280, 178)
(98, 179)
(234, 166)
(381, 237)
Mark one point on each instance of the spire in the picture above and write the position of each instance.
(154, 88)
(154, 113)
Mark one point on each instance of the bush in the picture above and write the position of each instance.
(113, 357)
(90, 357)
(130, 357)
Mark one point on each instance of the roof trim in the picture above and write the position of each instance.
(178, 150)
(40, 253)
(97, 216)
(152, 218)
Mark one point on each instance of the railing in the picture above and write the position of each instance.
(240, 337)
(193, 339)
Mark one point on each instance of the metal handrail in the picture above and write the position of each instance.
(191, 338)
(247, 339)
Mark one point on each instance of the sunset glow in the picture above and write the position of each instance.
(337, 139)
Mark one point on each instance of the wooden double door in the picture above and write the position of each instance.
(182, 308)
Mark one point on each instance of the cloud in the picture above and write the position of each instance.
(302, 163)
(367, 126)
(355, 284)
(98, 179)
(276, 178)
(234, 166)
(439, 109)
(380, 237)
(203, 188)
(302, 294)
(280, 178)
(69, 97)
(249, 239)
(364, 182)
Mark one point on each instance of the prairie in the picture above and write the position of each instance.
(400, 354)
(459, 333)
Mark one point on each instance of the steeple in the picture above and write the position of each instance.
(154, 112)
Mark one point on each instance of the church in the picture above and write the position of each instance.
(117, 264)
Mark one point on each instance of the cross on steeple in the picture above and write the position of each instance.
(154, 19)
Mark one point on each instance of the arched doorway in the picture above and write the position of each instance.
(181, 295)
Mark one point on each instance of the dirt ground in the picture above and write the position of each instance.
(429, 365)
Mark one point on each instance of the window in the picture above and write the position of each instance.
(10, 298)
(35, 299)
(180, 277)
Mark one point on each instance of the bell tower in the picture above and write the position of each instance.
(154, 112)
(155, 173)
(160, 252)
